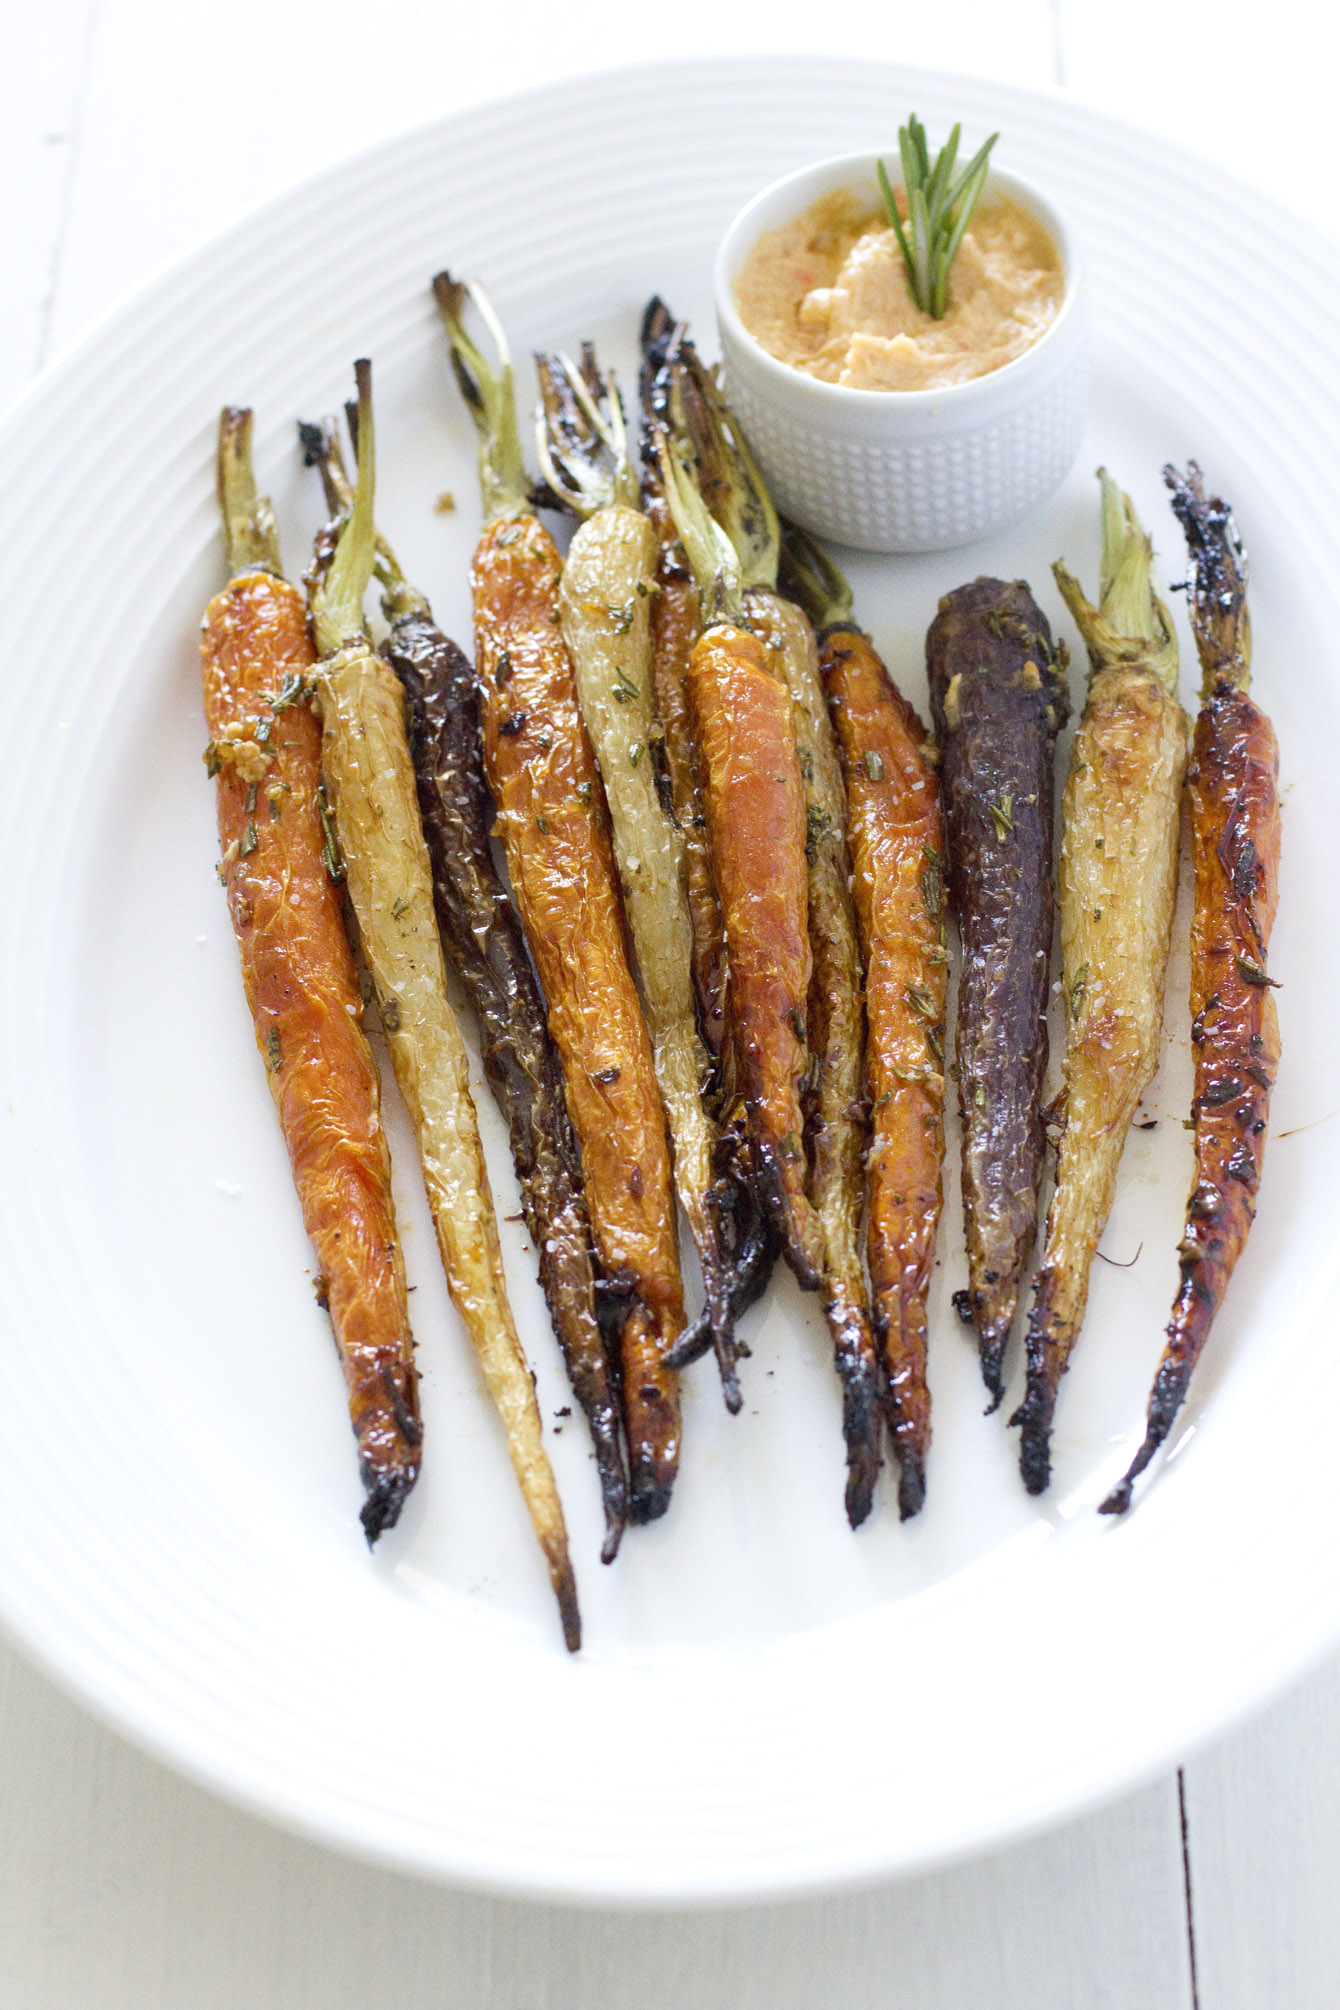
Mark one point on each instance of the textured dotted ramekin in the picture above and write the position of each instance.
(905, 470)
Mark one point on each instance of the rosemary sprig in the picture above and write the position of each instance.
(939, 210)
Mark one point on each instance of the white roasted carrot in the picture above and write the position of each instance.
(369, 776)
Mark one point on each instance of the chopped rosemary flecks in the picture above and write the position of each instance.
(1252, 973)
(621, 618)
(249, 799)
(979, 1099)
(273, 1052)
(625, 690)
(939, 210)
(584, 793)
(398, 908)
(213, 760)
(874, 765)
(502, 670)
(290, 691)
(920, 1000)
(542, 826)
(935, 1041)
(248, 842)
(330, 850)
(1078, 989)
(635, 753)
(1001, 818)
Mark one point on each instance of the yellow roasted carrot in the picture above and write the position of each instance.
(1118, 890)
(370, 781)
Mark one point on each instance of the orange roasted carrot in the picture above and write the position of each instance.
(754, 797)
(554, 826)
(676, 623)
(733, 545)
(897, 844)
(298, 970)
(1233, 783)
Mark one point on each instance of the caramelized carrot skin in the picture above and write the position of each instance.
(1233, 783)
(896, 838)
(754, 798)
(676, 624)
(555, 830)
(301, 985)
(675, 627)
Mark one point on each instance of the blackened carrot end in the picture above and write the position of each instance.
(386, 1494)
(1165, 1400)
(911, 1486)
(1034, 1420)
(565, 1591)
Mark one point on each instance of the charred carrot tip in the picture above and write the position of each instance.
(648, 1498)
(911, 1487)
(565, 1591)
(1034, 1421)
(386, 1495)
(1166, 1399)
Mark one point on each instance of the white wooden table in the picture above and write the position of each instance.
(129, 128)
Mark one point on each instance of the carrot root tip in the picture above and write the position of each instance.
(386, 1494)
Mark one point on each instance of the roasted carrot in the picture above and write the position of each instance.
(897, 844)
(676, 623)
(369, 778)
(482, 935)
(998, 698)
(605, 608)
(732, 487)
(555, 830)
(1235, 824)
(1118, 890)
(298, 972)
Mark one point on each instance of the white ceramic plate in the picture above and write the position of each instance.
(766, 1703)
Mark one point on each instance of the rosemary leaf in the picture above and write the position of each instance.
(939, 210)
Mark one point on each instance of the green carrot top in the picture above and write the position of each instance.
(248, 520)
(337, 595)
(489, 390)
(1130, 624)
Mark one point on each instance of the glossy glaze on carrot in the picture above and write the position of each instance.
(301, 985)
(554, 826)
(754, 798)
(1233, 784)
(897, 845)
(1117, 888)
(483, 936)
(834, 1099)
(998, 698)
(675, 627)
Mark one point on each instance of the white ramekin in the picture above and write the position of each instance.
(905, 470)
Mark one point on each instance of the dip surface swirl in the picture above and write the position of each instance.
(828, 293)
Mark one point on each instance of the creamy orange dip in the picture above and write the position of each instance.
(829, 295)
